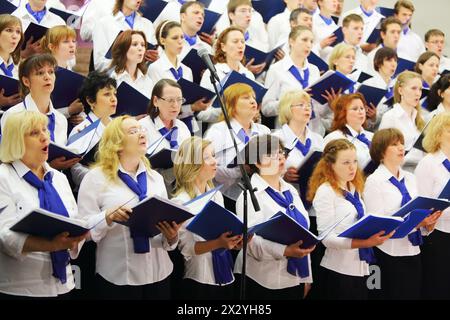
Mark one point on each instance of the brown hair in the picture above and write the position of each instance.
(157, 91)
(381, 140)
(258, 147)
(118, 6)
(382, 55)
(233, 4)
(424, 57)
(220, 56)
(189, 4)
(433, 33)
(403, 4)
(31, 64)
(120, 48)
(352, 18)
(386, 23)
(340, 110)
(6, 21)
(162, 31)
(324, 171)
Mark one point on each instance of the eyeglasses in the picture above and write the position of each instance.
(137, 130)
(301, 106)
(179, 101)
(244, 11)
(275, 156)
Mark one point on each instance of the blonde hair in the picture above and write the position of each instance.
(111, 143)
(16, 127)
(431, 142)
(231, 96)
(187, 165)
(402, 79)
(337, 53)
(55, 35)
(287, 99)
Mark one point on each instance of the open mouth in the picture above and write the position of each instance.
(45, 149)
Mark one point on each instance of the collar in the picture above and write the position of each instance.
(125, 76)
(7, 63)
(440, 156)
(386, 174)
(159, 124)
(327, 21)
(291, 138)
(368, 14)
(37, 15)
(353, 132)
(31, 105)
(190, 40)
(262, 185)
(225, 68)
(140, 169)
(287, 63)
(400, 112)
(93, 116)
(22, 169)
(236, 126)
(166, 63)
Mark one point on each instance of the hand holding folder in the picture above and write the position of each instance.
(318, 62)
(260, 56)
(34, 31)
(370, 225)
(422, 203)
(331, 80)
(339, 36)
(193, 61)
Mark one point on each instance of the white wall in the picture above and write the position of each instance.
(429, 14)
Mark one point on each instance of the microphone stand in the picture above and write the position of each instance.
(245, 186)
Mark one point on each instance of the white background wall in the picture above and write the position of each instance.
(429, 14)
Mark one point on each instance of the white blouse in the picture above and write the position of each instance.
(143, 83)
(49, 20)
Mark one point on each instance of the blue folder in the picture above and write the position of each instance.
(150, 211)
(84, 132)
(210, 21)
(404, 65)
(260, 56)
(130, 101)
(43, 223)
(423, 203)
(371, 94)
(152, 9)
(162, 159)
(370, 168)
(193, 92)
(374, 36)
(445, 194)
(335, 19)
(318, 62)
(89, 158)
(205, 2)
(305, 172)
(10, 85)
(7, 7)
(268, 8)
(68, 17)
(412, 220)
(67, 86)
(57, 151)
(363, 76)
(330, 80)
(371, 224)
(339, 37)
(193, 61)
(34, 30)
(387, 12)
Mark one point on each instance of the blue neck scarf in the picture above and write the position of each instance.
(191, 40)
(303, 148)
(446, 164)
(303, 81)
(171, 137)
(390, 93)
(243, 136)
(328, 21)
(50, 200)
(365, 254)
(222, 266)
(141, 242)
(7, 70)
(177, 74)
(246, 36)
(296, 266)
(130, 19)
(366, 13)
(38, 15)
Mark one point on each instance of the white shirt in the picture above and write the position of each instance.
(383, 198)
(279, 27)
(143, 83)
(362, 150)
(94, 12)
(114, 244)
(219, 135)
(444, 65)
(370, 23)
(321, 31)
(50, 19)
(28, 274)
(15, 71)
(410, 45)
(29, 104)
(397, 118)
(219, 6)
(106, 31)
(279, 80)
(432, 177)
(339, 256)
(440, 109)
(196, 267)
(199, 44)
(211, 115)
(266, 263)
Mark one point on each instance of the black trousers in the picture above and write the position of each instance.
(436, 266)
(336, 286)
(154, 291)
(86, 265)
(401, 277)
(176, 278)
(254, 291)
(194, 290)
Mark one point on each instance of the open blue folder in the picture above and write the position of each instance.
(7, 7)
(150, 211)
(371, 94)
(403, 65)
(339, 37)
(363, 76)
(34, 30)
(152, 9)
(193, 92)
(371, 224)
(210, 21)
(69, 17)
(305, 172)
(318, 62)
(423, 203)
(162, 159)
(260, 56)
(330, 80)
(374, 36)
(412, 220)
(387, 12)
(10, 85)
(67, 86)
(130, 101)
(268, 8)
(445, 194)
(193, 61)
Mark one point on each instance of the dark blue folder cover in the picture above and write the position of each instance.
(445, 194)
(370, 225)
(162, 159)
(260, 56)
(339, 36)
(89, 157)
(422, 203)
(371, 94)
(130, 101)
(34, 30)
(149, 212)
(211, 19)
(305, 172)
(387, 12)
(363, 76)
(215, 220)
(68, 17)
(205, 2)
(7, 7)
(193, 61)
(404, 65)
(370, 168)
(192, 92)
(334, 80)
(374, 36)
(152, 9)
(56, 151)
(67, 86)
(10, 85)
(411, 221)
(41, 223)
(318, 62)
(268, 8)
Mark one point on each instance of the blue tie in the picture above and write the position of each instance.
(327, 21)
(7, 70)
(362, 137)
(303, 148)
(390, 93)
(296, 266)
(446, 164)
(171, 137)
(303, 81)
(50, 200)
(365, 254)
(51, 126)
(416, 237)
(243, 136)
(141, 242)
(190, 40)
(130, 19)
(177, 74)
(38, 15)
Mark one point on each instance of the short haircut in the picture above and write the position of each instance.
(424, 57)
(55, 35)
(258, 147)
(403, 4)
(189, 4)
(293, 17)
(232, 94)
(94, 82)
(157, 91)
(433, 133)
(233, 4)
(17, 125)
(8, 21)
(433, 33)
(381, 140)
(382, 55)
(286, 100)
(340, 110)
(352, 18)
(387, 22)
(32, 64)
(337, 53)
(120, 48)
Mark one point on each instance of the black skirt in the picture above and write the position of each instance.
(337, 286)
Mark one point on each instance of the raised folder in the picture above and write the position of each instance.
(371, 94)
(375, 36)
(387, 12)
(153, 210)
(193, 61)
(268, 8)
(34, 30)
(7, 7)
(305, 172)
(152, 9)
(130, 101)
(423, 203)
(404, 65)
(330, 80)
(260, 56)
(412, 220)
(162, 159)
(371, 224)
(339, 37)
(71, 18)
(67, 86)
(210, 21)
(10, 85)
(193, 92)
(318, 62)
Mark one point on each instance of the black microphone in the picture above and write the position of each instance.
(204, 55)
